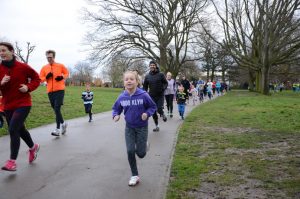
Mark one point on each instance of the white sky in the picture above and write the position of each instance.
(48, 25)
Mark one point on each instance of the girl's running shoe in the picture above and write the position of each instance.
(134, 180)
(33, 152)
(10, 165)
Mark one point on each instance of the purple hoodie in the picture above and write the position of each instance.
(134, 106)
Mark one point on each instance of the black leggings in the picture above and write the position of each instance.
(88, 109)
(56, 100)
(159, 101)
(169, 100)
(16, 127)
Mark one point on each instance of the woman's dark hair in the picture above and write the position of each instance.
(8, 45)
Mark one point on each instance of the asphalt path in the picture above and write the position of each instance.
(90, 162)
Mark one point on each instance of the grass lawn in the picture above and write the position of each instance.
(241, 145)
(42, 113)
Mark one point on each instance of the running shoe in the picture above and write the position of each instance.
(10, 165)
(156, 129)
(164, 117)
(148, 146)
(134, 180)
(56, 132)
(33, 152)
(64, 127)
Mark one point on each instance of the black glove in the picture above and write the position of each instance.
(49, 75)
(59, 78)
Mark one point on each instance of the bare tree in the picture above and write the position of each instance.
(147, 28)
(24, 57)
(82, 73)
(116, 68)
(261, 34)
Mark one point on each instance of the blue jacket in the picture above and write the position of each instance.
(134, 106)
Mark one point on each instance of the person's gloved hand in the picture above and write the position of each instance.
(59, 78)
(49, 75)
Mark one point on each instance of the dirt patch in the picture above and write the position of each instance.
(272, 156)
(237, 130)
(250, 189)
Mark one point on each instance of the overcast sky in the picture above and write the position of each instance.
(48, 25)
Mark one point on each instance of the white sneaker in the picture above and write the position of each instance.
(64, 127)
(134, 180)
(56, 132)
(148, 146)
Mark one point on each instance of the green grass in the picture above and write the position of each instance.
(42, 113)
(242, 137)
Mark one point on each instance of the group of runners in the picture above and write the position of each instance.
(18, 80)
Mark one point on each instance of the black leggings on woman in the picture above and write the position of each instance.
(169, 100)
(16, 127)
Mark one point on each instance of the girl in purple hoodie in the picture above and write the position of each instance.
(138, 107)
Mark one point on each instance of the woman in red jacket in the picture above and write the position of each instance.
(17, 80)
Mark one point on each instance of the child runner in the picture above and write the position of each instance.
(88, 97)
(15, 88)
(194, 93)
(181, 99)
(138, 107)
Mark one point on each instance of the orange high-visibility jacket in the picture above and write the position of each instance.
(57, 70)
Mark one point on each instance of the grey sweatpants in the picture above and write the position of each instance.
(136, 143)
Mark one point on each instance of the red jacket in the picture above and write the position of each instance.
(20, 73)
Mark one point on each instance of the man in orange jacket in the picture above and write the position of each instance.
(55, 74)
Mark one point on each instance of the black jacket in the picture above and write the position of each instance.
(156, 82)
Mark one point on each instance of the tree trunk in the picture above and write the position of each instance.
(163, 62)
(265, 80)
(251, 80)
(207, 74)
(212, 75)
(258, 81)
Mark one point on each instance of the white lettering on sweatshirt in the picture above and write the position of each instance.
(134, 102)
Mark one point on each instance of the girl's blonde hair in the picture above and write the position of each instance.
(169, 73)
(135, 73)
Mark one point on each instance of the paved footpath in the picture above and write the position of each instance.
(90, 162)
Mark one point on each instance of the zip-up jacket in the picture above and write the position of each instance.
(20, 73)
(57, 70)
(134, 106)
(170, 90)
(156, 82)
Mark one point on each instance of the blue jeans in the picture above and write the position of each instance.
(136, 143)
(181, 109)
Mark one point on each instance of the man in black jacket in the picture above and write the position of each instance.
(156, 82)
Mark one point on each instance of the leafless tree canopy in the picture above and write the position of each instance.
(19, 52)
(156, 29)
(261, 34)
(82, 73)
